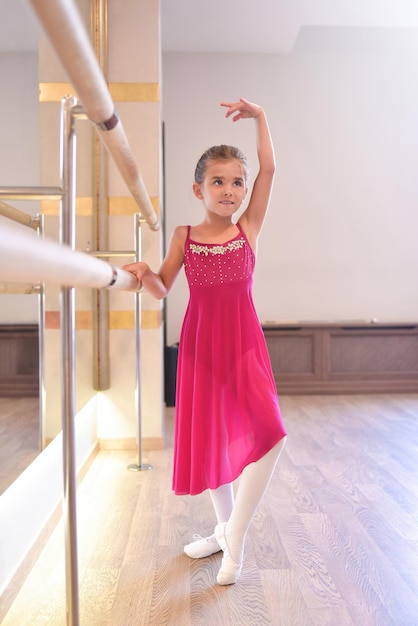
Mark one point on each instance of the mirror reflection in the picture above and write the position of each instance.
(20, 439)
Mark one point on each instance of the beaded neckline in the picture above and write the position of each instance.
(223, 248)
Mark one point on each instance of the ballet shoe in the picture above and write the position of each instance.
(229, 571)
(201, 547)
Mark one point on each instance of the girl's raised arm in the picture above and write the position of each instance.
(253, 218)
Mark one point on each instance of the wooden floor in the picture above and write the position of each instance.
(19, 437)
(335, 541)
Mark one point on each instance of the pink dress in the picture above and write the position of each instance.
(227, 409)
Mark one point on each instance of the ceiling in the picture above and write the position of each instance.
(270, 26)
(265, 26)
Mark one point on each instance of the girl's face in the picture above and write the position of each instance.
(223, 189)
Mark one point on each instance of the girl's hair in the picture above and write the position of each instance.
(219, 153)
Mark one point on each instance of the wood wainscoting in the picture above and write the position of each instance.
(306, 358)
(344, 358)
(19, 360)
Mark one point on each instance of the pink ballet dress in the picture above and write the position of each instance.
(227, 409)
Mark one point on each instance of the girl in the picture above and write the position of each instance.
(228, 421)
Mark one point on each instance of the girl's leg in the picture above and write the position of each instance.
(253, 484)
(223, 502)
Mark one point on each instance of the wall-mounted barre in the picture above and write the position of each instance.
(69, 38)
(26, 258)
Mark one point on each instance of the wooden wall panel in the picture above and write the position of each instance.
(19, 360)
(330, 358)
(305, 359)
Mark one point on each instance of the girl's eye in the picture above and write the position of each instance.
(238, 183)
(217, 181)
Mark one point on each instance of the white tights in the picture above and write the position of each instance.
(253, 484)
(223, 501)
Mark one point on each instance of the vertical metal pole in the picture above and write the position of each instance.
(67, 236)
(100, 239)
(41, 347)
(140, 466)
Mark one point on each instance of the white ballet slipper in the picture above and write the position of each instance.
(201, 547)
(229, 571)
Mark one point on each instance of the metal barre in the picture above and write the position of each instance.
(26, 258)
(68, 36)
(31, 193)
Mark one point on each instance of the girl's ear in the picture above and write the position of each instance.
(197, 191)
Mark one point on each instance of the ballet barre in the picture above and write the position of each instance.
(25, 258)
(68, 36)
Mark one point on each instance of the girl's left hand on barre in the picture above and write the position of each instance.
(138, 269)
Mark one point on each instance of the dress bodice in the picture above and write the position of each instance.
(211, 264)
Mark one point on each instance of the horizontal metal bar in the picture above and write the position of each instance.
(31, 193)
(113, 253)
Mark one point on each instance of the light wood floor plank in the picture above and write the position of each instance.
(19, 437)
(286, 605)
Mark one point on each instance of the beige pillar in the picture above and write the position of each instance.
(134, 83)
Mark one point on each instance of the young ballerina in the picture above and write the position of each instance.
(228, 422)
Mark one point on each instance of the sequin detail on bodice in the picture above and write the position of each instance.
(207, 264)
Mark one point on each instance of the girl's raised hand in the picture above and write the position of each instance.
(242, 109)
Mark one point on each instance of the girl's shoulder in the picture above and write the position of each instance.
(181, 232)
(179, 235)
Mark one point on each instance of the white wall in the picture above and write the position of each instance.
(19, 154)
(339, 242)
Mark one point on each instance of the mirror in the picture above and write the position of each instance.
(19, 166)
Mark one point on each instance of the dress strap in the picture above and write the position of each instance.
(186, 241)
(241, 230)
